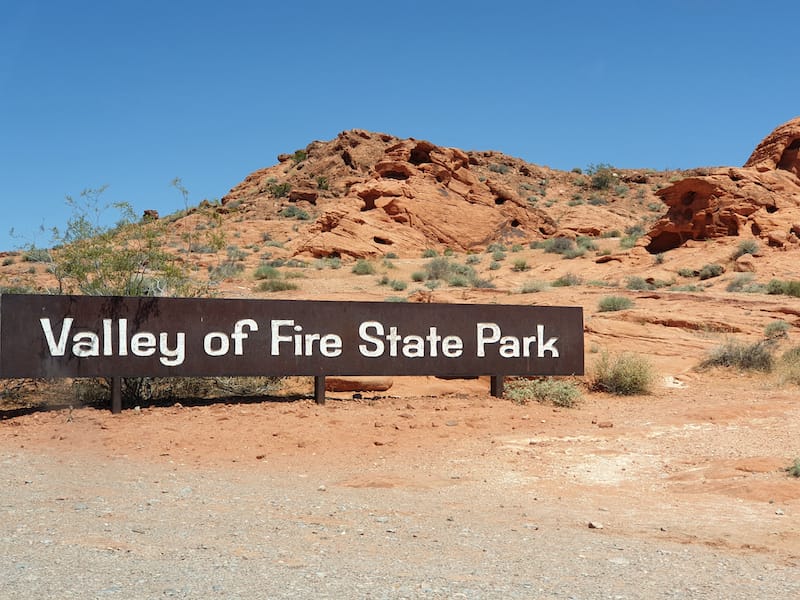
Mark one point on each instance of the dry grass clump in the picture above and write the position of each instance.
(547, 390)
(625, 374)
(738, 355)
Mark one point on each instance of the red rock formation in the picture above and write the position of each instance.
(760, 200)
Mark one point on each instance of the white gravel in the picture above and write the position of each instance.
(126, 529)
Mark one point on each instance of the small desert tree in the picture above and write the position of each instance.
(94, 258)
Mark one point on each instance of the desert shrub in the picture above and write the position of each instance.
(494, 265)
(690, 287)
(279, 190)
(776, 329)
(496, 247)
(596, 200)
(520, 265)
(429, 253)
(266, 272)
(586, 242)
(225, 270)
(517, 248)
(480, 283)
(363, 267)
(530, 287)
(786, 288)
(621, 190)
(659, 258)
(397, 285)
(275, 285)
(575, 202)
(746, 247)
(709, 271)
(439, 268)
(322, 182)
(601, 176)
(548, 390)
(418, 276)
(458, 280)
(473, 259)
(294, 212)
(624, 374)
(448, 252)
(614, 303)
(740, 282)
(574, 253)
(567, 280)
(9, 260)
(499, 168)
(794, 469)
(391, 255)
(559, 245)
(687, 272)
(639, 284)
(395, 299)
(498, 255)
(788, 366)
(611, 233)
(738, 355)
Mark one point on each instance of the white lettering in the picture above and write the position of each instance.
(143, 344)
(208, 343)
(379, 346)
(239, 334)
(172, 357)
(548, 346)
(86, 343)
(277, 338)
(452, 346)
(330, 345)
(60, 347)
(483, 339)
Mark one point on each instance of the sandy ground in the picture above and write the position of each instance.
(699, 461)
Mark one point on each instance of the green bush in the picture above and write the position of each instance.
(266, 272)
(786, 288)
(614, 303)
(275, 285)
(418, 276)
(740, 283)
(279, 190)
(398, 286)
(586, 242)
(559, 245)
(494, 265)
(473, 259)
(363, 267)
(498, 255)
(794, 469)
(601, 176)
(746, 247)
(639, 284)
(738, 355)
(531, 287)
(567, 280)
(520, 265)
(711, 270)
(624, 375)
(776, 329)
(294, 212)
(429, 253)
(788, 366)
(548, 390)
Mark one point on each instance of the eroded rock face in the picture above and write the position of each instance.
(780, 150)
(760, 200)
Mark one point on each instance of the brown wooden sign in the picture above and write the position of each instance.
(86, 336)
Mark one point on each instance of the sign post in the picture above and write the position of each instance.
(92, 336)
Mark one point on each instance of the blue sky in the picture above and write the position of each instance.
(134, 94)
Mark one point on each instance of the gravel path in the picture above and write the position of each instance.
(129, 529)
